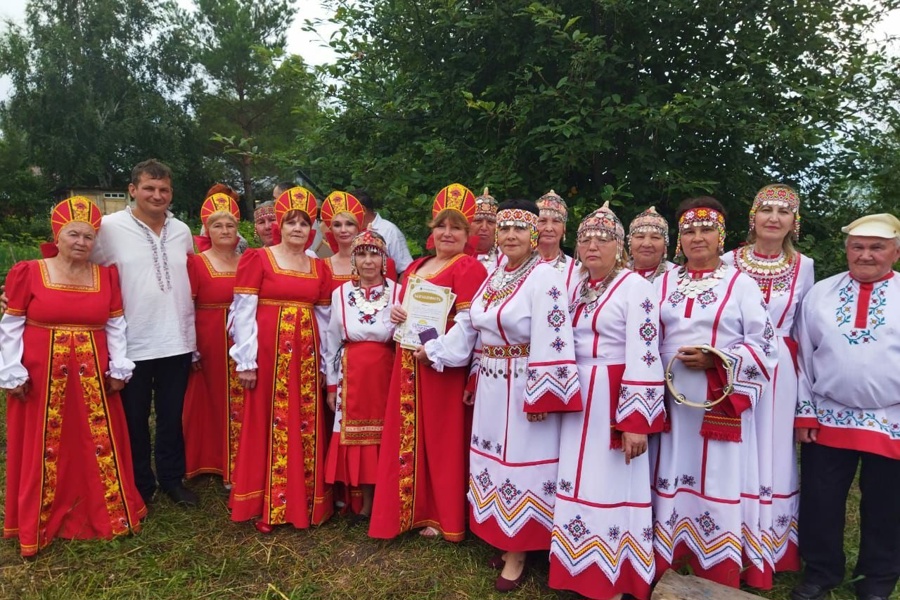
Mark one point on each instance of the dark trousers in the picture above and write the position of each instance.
(825, 477)
(162, 381)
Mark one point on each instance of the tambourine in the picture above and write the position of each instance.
(706, 404)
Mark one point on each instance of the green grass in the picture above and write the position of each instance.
(193, 554)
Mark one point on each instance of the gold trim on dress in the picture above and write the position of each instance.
(311, 274)
(94, 287)
(212, 270)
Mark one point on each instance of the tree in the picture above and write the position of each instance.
(247, 93)
(636, 102)
(93, 82)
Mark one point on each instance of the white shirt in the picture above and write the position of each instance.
(396, 242)
(156, 292)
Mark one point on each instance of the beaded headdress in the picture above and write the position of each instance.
(296, 198)
(701, 217)
(455, 197)
(649, 221)
(777, 194)
(219, 203)
(602, 223)
(518, 217)
(486, 206)
(369, 240)
(553, 204)
(76, 208)
(264, 209)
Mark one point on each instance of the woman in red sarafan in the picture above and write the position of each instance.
(214, 400)
(281, 300)
(64, 361)
(422, 461)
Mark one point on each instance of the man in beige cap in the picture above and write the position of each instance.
(848, 411)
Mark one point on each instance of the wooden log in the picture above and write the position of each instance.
(673, 586)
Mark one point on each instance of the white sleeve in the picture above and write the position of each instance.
(454, 348)
(323, 316)
(242, 315)
(119, 365)
(334, 335)
(399, 251)
(806, 400)
(12, 371)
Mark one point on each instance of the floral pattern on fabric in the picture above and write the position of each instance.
(235, 415)
(408, 385)
(309, 400)
(276, 500)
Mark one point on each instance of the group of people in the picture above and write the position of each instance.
(612, 410)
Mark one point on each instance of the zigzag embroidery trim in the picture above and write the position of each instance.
(549, 380)
(594, 550)
(510, 518)
(645, 399)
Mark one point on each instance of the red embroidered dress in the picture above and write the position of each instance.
(69, 461)
(214, 401)
(422, 461)
(360, 350)
(279, 473)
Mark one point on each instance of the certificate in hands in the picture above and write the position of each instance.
(427, 307)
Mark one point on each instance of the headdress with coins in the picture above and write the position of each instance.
(701, 217)
(604, 224)
(552, 204)
(455, 197)
(486, 206)
(340, 203)
(519, 213)
(649, 221)
(264, 209)
(777, 194)
(365, 241)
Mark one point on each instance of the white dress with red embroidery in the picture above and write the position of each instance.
(705, 474)
(568, 266)
(850, 364)
(602, 540)
(360, 348)
(527, 365)
(778, 478)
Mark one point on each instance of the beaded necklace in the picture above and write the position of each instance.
(369, 304)
(691, 287)
(503, 283)
(651, 277)
(590, 292)
(772, 274)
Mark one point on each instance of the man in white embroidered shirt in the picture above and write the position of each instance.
(150, 248)
(393, 237)
(848, 411)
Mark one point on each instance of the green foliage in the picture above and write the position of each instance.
(639, 103)
(91, 83)
(249, 97)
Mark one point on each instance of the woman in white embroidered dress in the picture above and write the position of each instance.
(360, 350)
(648, 241)
(552, 232)
(705, 474)
(602, 542)
(526, 377)
(784, 276)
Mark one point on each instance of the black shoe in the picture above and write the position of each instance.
(180, 495)
(148, 497)
(810, 591)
